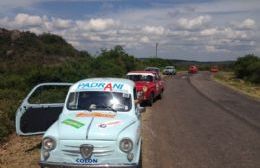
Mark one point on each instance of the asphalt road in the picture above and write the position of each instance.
(201, 124)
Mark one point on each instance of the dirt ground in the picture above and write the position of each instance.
(22, 152)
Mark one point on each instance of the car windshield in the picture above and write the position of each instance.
(152, 69)
(97, 100)
(135, 78)
(169, 67)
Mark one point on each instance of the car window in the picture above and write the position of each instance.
(135, 78)
(97, 100)
(49, 94)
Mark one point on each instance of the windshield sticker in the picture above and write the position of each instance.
(110, 123)
(73, 123)
(95, 114)
(126, 95)
(103, 86)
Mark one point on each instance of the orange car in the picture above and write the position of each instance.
(214, 69)
(193, 69)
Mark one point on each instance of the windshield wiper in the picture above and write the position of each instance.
(84, 108)
(107, 107)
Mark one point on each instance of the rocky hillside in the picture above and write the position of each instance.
(18, 49)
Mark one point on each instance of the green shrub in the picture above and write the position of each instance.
(248, 68)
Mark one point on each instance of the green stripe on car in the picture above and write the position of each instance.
(73, 123)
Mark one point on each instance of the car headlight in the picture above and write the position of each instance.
(126, 145)
(145, 88)
(48, 143)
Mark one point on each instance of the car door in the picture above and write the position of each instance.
(157, 84)
(41, 108)
(160, 84)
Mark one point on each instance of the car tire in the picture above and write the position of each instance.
(140, 164)
(160, 95)
(151, 100)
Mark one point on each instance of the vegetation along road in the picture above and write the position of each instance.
(197, 124)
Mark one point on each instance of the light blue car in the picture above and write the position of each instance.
(99, 125)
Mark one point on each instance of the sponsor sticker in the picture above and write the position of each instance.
(86, 161)
(110, 123)
(102, 86)
(95, 114)
(73, 123)
(126, 95)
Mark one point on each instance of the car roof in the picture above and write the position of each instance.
(141, 72)
(153, 68)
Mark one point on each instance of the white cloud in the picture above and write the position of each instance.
(145, 39)
(154, 30)
(247, 24)
(27, 20)
(98, 24)
(180, 33)
(61, 23)
(194, 23)
(210, 48)
(101, 24)
(36, 30)
(209, 32)
(225, 33)
(4, 21)
(233, 34)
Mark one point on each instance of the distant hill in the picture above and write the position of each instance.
(18, 49)
(189, 62)
(183, 64)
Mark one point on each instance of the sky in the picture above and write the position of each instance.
(202, 30)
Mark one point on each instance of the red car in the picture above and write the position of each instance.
(214, 69)
(193, 69)
(149, 83)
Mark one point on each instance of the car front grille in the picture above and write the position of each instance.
(72, 148)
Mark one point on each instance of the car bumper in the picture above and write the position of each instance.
(168, 73)
(67, 165)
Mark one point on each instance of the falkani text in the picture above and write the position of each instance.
(104, 86)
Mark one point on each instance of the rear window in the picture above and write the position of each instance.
(135, 78)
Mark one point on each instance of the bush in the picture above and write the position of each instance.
(248, 68)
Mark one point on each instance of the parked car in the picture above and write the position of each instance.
(169, 70)
(193, 69)
(99, 125)
(153, 69)
(214, 69)
(149, 83)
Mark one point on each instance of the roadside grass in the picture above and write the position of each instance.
(229, 79)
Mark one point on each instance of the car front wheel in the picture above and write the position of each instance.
(160, 95)
(151, 100)
(140, 164)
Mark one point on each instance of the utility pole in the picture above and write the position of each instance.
(156, 49)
